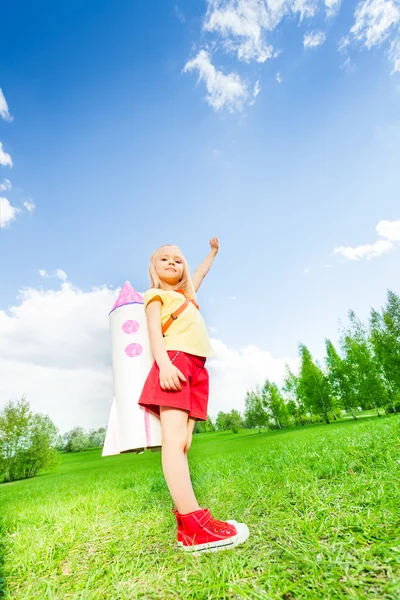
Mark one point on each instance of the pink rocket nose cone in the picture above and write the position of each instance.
(128, 295)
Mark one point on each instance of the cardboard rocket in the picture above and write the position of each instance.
(131, 427)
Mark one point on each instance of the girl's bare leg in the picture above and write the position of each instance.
(174, 433)
(190, 426)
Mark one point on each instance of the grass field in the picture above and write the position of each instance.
(322, 504)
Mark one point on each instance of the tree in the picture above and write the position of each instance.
(274, 405)
(75, 440)
(235, 420)
(314, 389)
(27, 442)
(255, 414)
(294, 402)
(96, 437)
(222, 421)
(385, 339)
(365, 376)
(226, 421)
(204, 426)
(340, 373)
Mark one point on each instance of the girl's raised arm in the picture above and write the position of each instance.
(205, 266)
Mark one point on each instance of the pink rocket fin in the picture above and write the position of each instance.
(127, 295)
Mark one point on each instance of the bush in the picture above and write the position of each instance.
(27, 442)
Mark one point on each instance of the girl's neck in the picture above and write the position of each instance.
(167, 287)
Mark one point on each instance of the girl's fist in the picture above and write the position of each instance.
(214, 243)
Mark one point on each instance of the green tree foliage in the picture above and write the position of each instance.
(27, 442)
(294, 402)
(365, 373)
(340, 376)
(204, 426)
(229, 421)
(274, 404)
(255, 415)
(314, 388)
(385, 339)
(75, 440)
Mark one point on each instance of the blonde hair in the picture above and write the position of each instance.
(185, 284)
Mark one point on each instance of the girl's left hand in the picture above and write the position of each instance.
(214, 244)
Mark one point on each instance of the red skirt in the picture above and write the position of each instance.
(193, 397)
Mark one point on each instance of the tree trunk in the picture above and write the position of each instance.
(353, 414)
(327, 418)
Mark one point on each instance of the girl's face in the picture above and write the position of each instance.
(169, 265)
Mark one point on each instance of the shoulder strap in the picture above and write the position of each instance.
(174, 316)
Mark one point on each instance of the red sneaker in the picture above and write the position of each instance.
(201, 533)
(179, 536)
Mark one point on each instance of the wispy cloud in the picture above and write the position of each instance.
(5, 159)
(8, 213)
(59, 274)
(314, 39)
(279, 78)
(4, 112)
(394, 55)
(377, 22)
(388, 231)
(332, 7)
(5, 185)
(29, 205)
(224, 91)
(244, 28)
(374, 20)
(179, 15)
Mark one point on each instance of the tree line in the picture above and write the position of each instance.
(362, 373)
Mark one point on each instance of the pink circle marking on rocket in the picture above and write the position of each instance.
(133, 350)
(130, 326)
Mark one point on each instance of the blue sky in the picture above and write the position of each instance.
(137, 124)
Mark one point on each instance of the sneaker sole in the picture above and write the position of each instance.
(242, 535)
(231, 522)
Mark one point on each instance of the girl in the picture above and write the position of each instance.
(177, 390)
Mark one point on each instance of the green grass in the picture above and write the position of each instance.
(322, 504)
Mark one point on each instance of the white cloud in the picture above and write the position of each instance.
(313, 39)
(5, 159)
(388, 230)
(243, 24)
(55, 348)
(394, 55)
(306, 271)
(7, 212)
(5, 185)
(240, 23)
(332, 7)
(343, 45)
(4, 112)
(233, 372)
(59, 274)
(279, 78)
(374, 20)
(224, 91)
(29, 205)
(257, 89)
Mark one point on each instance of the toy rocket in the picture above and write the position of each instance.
(130, 427)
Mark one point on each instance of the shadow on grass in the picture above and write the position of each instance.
(3, 584)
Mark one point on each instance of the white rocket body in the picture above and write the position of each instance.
(130, 426)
